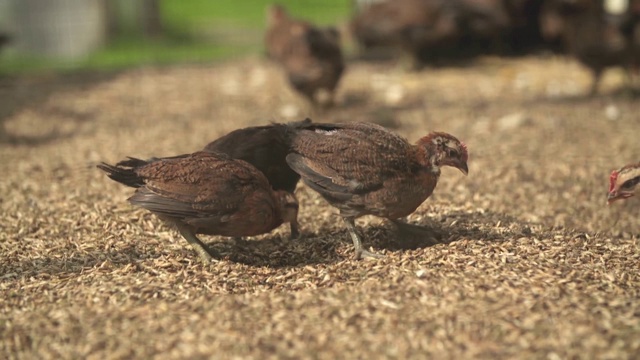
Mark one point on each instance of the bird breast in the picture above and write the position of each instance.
(401, 196)
(258, 214)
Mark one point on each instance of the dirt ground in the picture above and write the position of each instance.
(535, 265)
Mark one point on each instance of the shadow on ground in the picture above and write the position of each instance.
(326, 247)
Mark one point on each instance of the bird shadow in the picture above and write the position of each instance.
(328, 246)
(448, 228)
(320, 247)
(280, 251)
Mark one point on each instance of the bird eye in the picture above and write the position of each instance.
(627, 185)
(452, 152)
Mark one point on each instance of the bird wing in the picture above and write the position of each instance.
(198, 185)
(322, 179)
(265, 147)
(242, 141)
(354, 157)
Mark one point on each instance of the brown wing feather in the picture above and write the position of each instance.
(321, 179)
(265, 147)
(358, 156)
(198, 185)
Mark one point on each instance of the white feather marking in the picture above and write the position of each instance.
(326, 132)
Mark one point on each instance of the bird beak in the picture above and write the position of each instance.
(614, 195)
(463, 167)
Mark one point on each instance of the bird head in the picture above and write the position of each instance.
(622, 183)
(442, 149)
(276, 14)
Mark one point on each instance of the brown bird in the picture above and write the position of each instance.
(623, 182)
(364, 169)
(430, 31)
(206, 193)
(311, 56)
(266, 148)
(594, 37)
(410, 25)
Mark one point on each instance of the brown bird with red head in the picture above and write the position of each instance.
(623, 182)
(206, 193)
(311, 56)
(364, 169)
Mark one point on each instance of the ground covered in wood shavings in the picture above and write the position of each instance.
(535, 265)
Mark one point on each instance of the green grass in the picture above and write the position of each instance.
(126, 52)
(250, 13)
(196, 31)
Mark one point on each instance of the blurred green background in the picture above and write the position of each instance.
(192, 31)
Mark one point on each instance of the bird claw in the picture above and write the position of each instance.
(210, 261)
(206, 257)
(367, 254)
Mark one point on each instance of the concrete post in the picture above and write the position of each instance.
(67, 29)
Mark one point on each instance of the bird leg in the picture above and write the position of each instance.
(597, 76)
(239, 241)
(357, 243)
(295, 230)
(197, 245)
(632, 72)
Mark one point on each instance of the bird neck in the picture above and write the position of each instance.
(427, 158)
(427, 154)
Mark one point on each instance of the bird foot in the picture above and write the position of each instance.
(357, 243)
(206, 255)
(367, 254)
